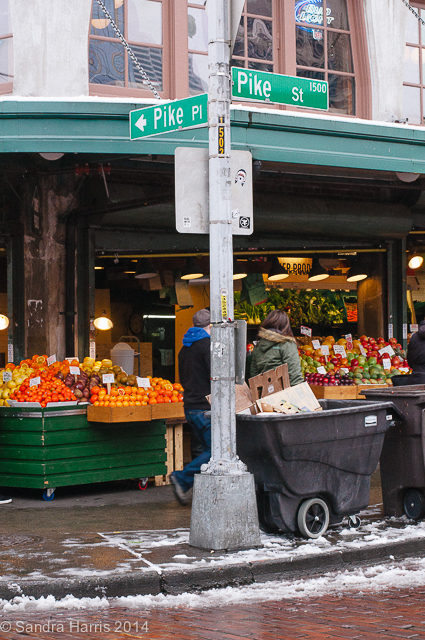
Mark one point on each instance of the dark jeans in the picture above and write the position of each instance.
(201, 426)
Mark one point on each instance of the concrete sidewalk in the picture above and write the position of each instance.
(113, 539)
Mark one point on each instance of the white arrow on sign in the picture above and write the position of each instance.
(141, 123)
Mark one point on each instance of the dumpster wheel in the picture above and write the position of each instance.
(354, 522)
(313, 518)
(414, 504)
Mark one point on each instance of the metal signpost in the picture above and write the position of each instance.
(171, 116)
(224, 513)
(252, 85)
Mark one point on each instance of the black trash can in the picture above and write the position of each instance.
(312, 469)
(402, 460)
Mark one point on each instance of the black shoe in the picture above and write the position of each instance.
(4, 500)
(180, 495)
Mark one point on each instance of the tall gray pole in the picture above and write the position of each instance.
(224, 512)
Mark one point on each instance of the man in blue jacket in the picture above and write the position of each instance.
(195, 376)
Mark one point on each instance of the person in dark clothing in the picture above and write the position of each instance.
(416, 356)
(195, 376)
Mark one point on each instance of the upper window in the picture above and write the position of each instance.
(197, 41)
(254, 41)
(6, 47)
(414, 69)
(324, 51)
(140, 21)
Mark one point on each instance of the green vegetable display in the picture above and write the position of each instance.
(303, 307)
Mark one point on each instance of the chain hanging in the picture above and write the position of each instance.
(129, 49)
(414, 12)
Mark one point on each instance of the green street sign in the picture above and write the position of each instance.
(252, 85)
(171, 116)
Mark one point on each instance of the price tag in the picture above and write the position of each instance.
(404, 369)
(344, 370)
(74, 371)
(338, 348)
(10, 352)
(108, 378)
(362, 350)
(349, 339)
(7, 376)
(34, 382)
(93, 349)
(324, 349)
(413, 328)
(321, 370)
(405, 332)
(305, 331)
(388, 350)
(316, 344)
(143, 382)
(51, 360)
(386, 363)
(390, 331)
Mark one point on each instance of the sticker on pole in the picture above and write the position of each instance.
(224, 309)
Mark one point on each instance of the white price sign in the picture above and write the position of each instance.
(34, 382)
(349, 339)
(404, 331)
(143, 382)
(10, 352)
(305, 331)
(92, 350)
(413, 328)
(7, 376)
(344, 370)
(339, 349)
(51, 360)
(362, 350)
(108, 378)
(316, 344)
(404, 369)
(74, 371)
(321, 370)
(388, 350)
(386, 363)
(324, 349)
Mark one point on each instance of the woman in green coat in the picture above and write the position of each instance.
(276, 346)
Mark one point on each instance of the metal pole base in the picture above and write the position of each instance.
(224, 513)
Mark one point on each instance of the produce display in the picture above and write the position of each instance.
(38, 380)
(362, 362)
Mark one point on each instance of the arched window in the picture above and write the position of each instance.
(6, 49)
(141, 23)
(414, 70)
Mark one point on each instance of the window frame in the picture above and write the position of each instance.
(420, 45)
(7, 87)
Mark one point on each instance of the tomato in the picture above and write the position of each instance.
(94, 399)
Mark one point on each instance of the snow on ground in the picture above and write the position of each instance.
(410, 574)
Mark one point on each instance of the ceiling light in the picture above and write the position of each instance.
(191, 270)
(145, 269)
(356, 274)
(103, 323)
(239, 271)
(278, 271)
(317, 272)
(99, 268)
(4, 321)
(415, 261)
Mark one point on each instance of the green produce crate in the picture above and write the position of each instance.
(49, 448)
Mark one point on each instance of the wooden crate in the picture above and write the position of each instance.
(174, 449)
(119, 414)
(168, 410)
(334, 393)
(363, 387)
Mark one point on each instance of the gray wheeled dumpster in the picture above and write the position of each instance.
(312, 469)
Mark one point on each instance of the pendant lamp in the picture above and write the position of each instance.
(278, 271)
(356, 274)
(317, 272)
(191, 271)
(145, 269)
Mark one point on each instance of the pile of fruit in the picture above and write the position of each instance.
(160, 391)
(70, 380)
(363, 363)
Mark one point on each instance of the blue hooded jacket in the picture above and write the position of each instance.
(193, 335)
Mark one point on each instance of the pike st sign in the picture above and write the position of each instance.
(252, 85)
(171, 116)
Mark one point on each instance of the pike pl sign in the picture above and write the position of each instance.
(252, 85)
(188, 113)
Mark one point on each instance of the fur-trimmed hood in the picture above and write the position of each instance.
(274, 336)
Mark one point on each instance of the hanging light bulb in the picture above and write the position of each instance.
(278, 271)
(4, 321)
(415, 261)
(103, 323)
(356, 274)
(239, 271)
(191, 270)
(145, 269)
(317, 272)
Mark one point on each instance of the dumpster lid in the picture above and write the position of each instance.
(341, 407)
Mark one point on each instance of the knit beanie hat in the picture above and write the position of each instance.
(201, 318)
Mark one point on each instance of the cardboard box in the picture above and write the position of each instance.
(269, 382)
(301, 396)
(243, 400)
(119, 414)
(168, 410)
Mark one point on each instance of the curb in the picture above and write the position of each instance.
(202, 578)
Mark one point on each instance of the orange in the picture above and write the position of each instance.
(160, 399)
(132, 403)
(128, 390)
(114, 392)
(174, 399)
(125, 403)
(152, 401)
(112, 404)
(119, 403)
(138, 403)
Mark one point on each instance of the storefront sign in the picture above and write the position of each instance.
(51, 360)
(311, 12)
(297, 266)
(305, 331)
(263, 86)
(179, 114)
(339, 349)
